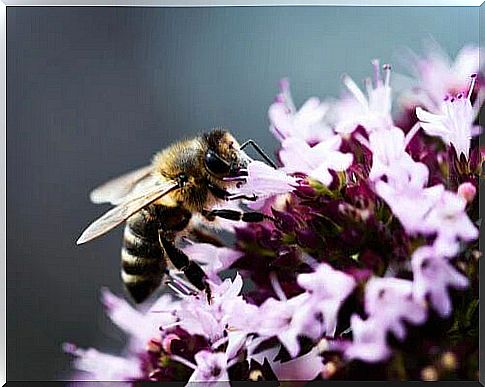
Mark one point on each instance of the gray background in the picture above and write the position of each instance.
(93, 92)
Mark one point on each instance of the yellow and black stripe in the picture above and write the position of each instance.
(142, 257)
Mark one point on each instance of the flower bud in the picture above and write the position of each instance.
(153, 345)
(167, 342)
(467, 191)
(429, 374)
(329, 370)
(448, 361)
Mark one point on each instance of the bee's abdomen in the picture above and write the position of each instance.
(142, 259)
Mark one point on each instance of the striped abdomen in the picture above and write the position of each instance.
(142, 257)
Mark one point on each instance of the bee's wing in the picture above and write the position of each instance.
(116, 190)
(118, 214)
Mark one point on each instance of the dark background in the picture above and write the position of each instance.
(94, 92)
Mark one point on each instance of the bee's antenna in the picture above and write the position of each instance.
(260, 151)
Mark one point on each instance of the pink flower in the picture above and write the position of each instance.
(390, 159)
(306, 367)
(101, 366)
(410, 204)
(286, 319)
(368, 340)
(372, 112)
(432, 276)
(227, 309)
(297, 156)
(454, 124)
(265, 181)
(467, 191)
(390, 301)
(140, 326)
(307, 123)
(328, 289)
(214, 259)
(310, 314)
(438, 75)
(211, 369)
(449, 220)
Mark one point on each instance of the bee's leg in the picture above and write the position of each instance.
(250, 217)
(221, 193)
(181, 261)
(252, 198)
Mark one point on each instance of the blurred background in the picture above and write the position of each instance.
(94, 92)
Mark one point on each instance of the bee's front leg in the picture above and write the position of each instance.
(250, 217)
(221, 193)
(194, 273)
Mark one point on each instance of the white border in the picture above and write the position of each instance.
(3, 228)
(138, 3)
(246, 3)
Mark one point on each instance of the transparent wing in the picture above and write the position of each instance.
(118, 214)
(114, 191)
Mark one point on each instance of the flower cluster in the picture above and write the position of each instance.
(366, 266)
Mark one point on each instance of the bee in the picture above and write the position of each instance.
(159, 202)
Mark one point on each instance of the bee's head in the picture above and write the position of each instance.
(223, 158)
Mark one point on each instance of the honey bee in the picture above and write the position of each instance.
(159, 201)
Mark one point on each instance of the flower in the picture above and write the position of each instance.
(368, 340)
(227, 309)
(432, 276)
(214, 259)
(390, 301)
(410, 204)
(449, 220)
(438, 75)
(454, 124)
(211, 369)
(140, 326)
(100, 366)
(307, 123)
(305, 367)
(297, 156)
(328, 288)
(390, 159)
(372, 112)
(264, 181)
(286, 319)
(467, 191)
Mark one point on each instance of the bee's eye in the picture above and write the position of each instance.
(216, 164)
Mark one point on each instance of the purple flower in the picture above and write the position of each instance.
(433, 274)
(411, 205)
(450, 221)
(140, 326)
(328, 289)
(211, 369)
(467, 191)
(214, 259)
(307, 124)
(454, 124)
(390, 301)
(368, 340)
(100, 366)
(265, 181)
(438, 75)
(286, 319)
(227, 309)
(297, 156)
(372, 112)
(390, 159)
(306, 367)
